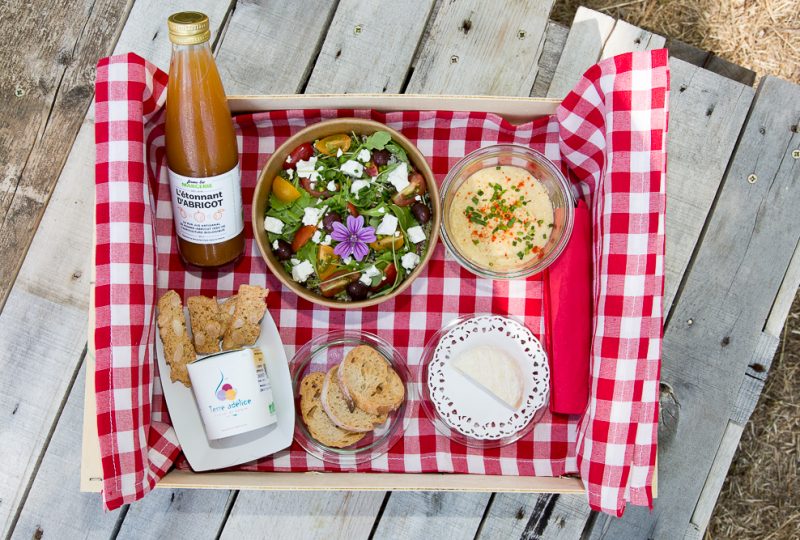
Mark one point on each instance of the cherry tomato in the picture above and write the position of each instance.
(416, 186)
(326, 262)
(306, 183)
(331, 144)
(302, 236)
(351, 208)
(337, 282)
(371, 169)
(302, 152)
(386, 242)
(389, 275)
(284, 190)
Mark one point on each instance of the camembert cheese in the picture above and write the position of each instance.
(494, 371)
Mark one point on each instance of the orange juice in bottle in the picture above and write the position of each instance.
(203, 159)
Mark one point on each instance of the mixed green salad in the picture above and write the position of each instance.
(348, 216)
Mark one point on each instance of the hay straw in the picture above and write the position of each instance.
(762, 35)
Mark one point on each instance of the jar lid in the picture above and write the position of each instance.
(188, 28)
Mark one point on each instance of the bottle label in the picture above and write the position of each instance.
(207, 210)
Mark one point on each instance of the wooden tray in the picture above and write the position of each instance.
(514, 109)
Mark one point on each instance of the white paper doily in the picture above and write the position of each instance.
(471, 410)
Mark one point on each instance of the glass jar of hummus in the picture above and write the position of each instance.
(507, 212)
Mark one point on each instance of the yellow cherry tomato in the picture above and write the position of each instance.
(331, 144)
(326, 262)
(284, 190)
(386, 242)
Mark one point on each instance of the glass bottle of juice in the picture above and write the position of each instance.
(202, 155)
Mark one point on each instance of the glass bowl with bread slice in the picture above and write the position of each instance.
(354, 397)
(484, 381)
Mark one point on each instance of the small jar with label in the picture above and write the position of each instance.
(202, 155)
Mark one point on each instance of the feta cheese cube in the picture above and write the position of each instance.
(331, 186)
(409, 261)
(357, 186)
(398, 177)
(369, 273)
(301, 272)
(273, 225)
(326, 241)
(317, 237)
(308, 169)
(381, 210)
(352, 168)
(311, 215)
(294, 261)
(387, 226)
(416, 234)
(417, 198)
(275, 244)
(339, 152)
(347, 260)
(364, 155)
(290, 173)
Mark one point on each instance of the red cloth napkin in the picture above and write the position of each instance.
(609, 133)
(568, 307)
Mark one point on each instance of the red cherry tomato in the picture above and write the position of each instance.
(302, 236)
(351, 208)
(306, 183)
(302, 152)
(371, 169)
(389, 275)
(337, 282)
(416, 186)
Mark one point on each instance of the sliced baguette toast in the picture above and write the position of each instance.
(342, 413)
(369, 382)
(318, 423)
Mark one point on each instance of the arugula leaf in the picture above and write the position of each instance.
(404, 217)
(378, 140)
(308, 253)
(398, 152)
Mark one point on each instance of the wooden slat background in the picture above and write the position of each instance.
(732, 261)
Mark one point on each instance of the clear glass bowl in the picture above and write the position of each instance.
(543, 170)
(321, 354)
(428, 406)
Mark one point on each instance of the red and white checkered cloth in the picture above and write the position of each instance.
(609, 133)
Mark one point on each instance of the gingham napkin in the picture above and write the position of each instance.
(608, 134)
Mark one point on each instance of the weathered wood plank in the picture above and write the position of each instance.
(687, 53)
(707, 113)
(587, 36)
(304, 514)
(521, 515)
(555, 38)
(270, 47)
(730, 70)
(358, 57)
(74, 514)
(474, 48)
(626, 38)
(45, 316)
(716, 323)
(46, 76)
(177, 514)
(433, 514)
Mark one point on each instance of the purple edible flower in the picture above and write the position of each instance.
(352, 239)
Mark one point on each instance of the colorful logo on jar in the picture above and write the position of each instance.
(224, 391)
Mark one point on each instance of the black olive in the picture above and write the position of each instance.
(381, 157)
(421, 212)
(357, 290)
(284, 251)
(329, 220)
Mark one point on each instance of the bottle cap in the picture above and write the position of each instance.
(188, 28)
